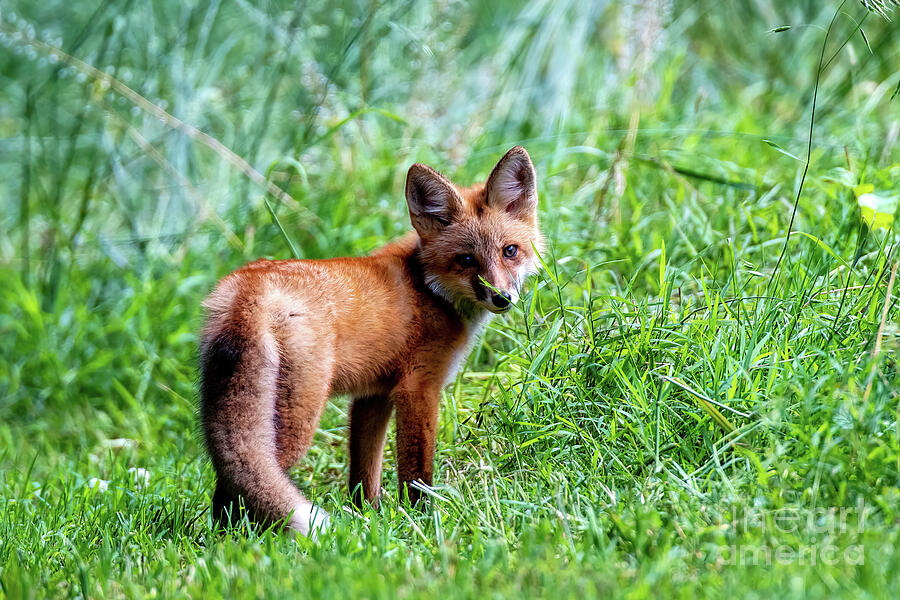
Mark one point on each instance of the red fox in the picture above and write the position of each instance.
(388, 329)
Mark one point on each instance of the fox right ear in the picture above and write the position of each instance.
(432, 200)
(511, 185)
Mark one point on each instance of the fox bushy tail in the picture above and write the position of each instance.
(239, 378)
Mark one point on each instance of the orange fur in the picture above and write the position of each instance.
(389, 329)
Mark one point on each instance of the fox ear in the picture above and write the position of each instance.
(432, 200)
(512, 185)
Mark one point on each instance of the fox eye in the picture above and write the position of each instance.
(466, 260)
(510, 251)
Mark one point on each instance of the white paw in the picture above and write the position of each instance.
(309, 520)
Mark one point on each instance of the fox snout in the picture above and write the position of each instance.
(502, 300)
(497, 298)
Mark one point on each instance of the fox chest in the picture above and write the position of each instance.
(461, 353)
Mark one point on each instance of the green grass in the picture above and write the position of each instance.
(668, 413)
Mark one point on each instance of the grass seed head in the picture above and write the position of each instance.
(881, 7)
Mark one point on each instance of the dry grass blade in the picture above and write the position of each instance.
(876, 349)
(708, 404)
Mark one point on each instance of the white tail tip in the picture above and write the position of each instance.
(309, 520)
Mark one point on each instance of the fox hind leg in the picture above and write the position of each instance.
(298, 409)
(225, 506)
(303, 388)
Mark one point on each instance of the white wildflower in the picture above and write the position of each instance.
(119, 443)
(101, 485)
(140, 476)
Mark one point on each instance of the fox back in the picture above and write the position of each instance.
(389, 329)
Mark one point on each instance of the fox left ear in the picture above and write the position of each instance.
(512, 185)
(433, 201)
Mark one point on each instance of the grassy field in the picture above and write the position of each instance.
(697, 397)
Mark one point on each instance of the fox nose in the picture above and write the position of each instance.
(501, 299)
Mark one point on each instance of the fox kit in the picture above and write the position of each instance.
(389, 329)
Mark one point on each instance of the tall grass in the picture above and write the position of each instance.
(662, 414)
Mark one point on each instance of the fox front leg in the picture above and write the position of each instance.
(369, 417)
(417, 417)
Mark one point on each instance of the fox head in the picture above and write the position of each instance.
(477, 244)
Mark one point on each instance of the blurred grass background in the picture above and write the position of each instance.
(662, 385)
